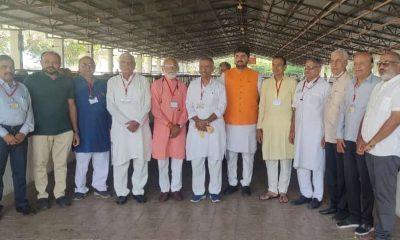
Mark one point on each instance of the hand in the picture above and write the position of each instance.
(201, 125)
(291, 136)
(360, 146)
(10, 139)
(20, 137)
(340, 145)
(132, 125)
(174, 131)
(323, 142)
(370, 145)
(259, 135)
(76, 140)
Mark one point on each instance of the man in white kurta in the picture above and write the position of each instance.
(129, 101)
(206, 103)
(309, 102)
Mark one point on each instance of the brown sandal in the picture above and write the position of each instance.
(283, 198)
(268, 195)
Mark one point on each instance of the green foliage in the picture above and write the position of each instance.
(36, 43)
(4, 42)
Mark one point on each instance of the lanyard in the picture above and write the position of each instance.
(169, 87)
(356, 85)
(91, 88)
(12, 93)
(309, 88)
(278, 87)
(201, 91)
(126, 86)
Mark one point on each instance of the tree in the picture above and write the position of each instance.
(4, 42)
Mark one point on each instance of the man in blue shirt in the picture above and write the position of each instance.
(16, 121)
(94, 124)
(360, 198)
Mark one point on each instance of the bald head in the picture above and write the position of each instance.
(170, 68)
(363, 63)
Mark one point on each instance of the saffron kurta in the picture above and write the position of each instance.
(134, 105)
(309, 101)
(275, 119)
(168, 106)
(203, 102)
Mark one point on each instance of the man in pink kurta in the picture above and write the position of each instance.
(169, 135)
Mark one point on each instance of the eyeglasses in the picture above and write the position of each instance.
(386, 63)
(311, 68)
(88, 65)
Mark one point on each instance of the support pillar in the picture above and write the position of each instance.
(17, 48)
(110, 60)
(139, 63)
(59, 48)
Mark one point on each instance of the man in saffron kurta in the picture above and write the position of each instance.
(169, 135)
(273, 129)
(242, 88)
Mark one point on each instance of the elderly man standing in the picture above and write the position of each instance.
(380, 140)
(94, 123)
(242, 91)
(360, 198)
(16, 121)
(309, 104)
(169, 135)
(129, 102)
(334, 161)
(273, 129)
(206, 103)
(54, 111)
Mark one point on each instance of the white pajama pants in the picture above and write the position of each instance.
(176, 175)
(311, 188)
(199, 176)
(139, 177)
(278, 182)
(248, 161)
(100, 162)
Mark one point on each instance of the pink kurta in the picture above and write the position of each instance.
(164, 96)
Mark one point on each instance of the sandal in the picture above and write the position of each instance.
(283, 198)
(268, 195)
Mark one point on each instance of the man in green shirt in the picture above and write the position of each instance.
(56, 127)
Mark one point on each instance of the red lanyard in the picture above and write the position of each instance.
(126, 86)
(304, 85)
(90, 87)
(355, 87)
(12, 93)
(278, 87)
(201, 91)
(169, 87)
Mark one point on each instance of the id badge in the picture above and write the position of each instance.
(200, 105)
(352, 108)
(276, 102)
(126, 100)
(14, 105)
(173, 104)
(93, 100)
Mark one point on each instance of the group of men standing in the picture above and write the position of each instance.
(345, 129)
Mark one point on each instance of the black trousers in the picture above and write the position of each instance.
(360, 197)
(334, 177)
(18, 158)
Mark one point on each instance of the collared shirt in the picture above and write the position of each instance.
(353, 107)
(385, 99)
(15, 110)
(94, 121)
(50, 102)
(333, 102)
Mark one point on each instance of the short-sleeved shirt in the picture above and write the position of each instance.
(50, 103)
(385, 99)
(94, 121)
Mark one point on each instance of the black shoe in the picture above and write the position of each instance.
(42, 204)
(1, 210)
(314, 204)
(25, 210)
(328, 211)
(246, 191)
(301, 200)
(140, 198)
(364, 229)
(121, 200)
(63, 201)
(79, 196)
(347, 223)
(340, 216)
(102, 194)
(231, 189)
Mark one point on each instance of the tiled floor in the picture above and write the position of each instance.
(233, 218)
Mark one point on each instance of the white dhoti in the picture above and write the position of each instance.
(176, 175)
(199, 176)
(311, 188)
(278, 183)
(139, 177)
(100, 163)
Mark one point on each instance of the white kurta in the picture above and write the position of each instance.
(212, 145)
(135, 105)
(309, 124)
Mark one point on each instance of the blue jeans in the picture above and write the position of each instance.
(18, 159)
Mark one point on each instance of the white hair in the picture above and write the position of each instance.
(342, 52)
